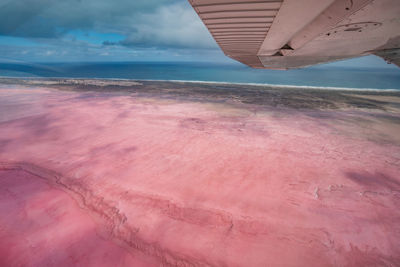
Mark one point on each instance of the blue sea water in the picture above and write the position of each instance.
(313, 76)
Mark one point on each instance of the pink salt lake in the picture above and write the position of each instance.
(101, 179)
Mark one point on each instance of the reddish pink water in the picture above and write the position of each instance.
(105, 179)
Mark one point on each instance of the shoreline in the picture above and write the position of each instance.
(296, 98)
(262, 85)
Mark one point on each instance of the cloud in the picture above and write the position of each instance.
(22, 18)
(64, 50)
(175, 25)
(143, 23)
(110, 43)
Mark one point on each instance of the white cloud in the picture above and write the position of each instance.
(174, 25)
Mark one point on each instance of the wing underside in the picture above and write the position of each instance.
(284, 34)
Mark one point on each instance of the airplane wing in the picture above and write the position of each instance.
(286, 34)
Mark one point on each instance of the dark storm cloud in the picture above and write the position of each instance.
(143, 23)
(20, 18)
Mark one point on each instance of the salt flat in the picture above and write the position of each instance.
(162, 173)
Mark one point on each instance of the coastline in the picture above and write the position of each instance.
(260, 96)
(269, 85)
(372, 78)
(281, 86)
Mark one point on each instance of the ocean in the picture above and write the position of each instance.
(320, 76)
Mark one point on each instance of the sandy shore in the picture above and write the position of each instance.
(159, 173)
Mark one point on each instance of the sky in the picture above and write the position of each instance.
(112, 30)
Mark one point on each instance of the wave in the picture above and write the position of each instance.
(291, 86)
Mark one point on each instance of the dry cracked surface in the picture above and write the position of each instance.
(176, 174)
